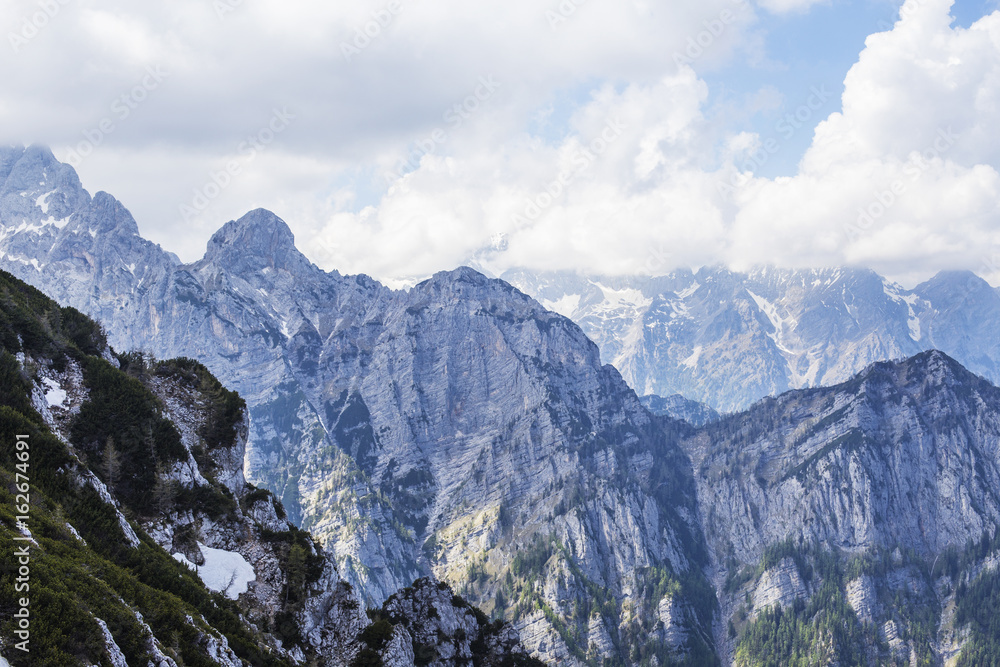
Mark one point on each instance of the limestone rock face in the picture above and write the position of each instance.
(781, 586)
(196, 506)
(439, 431)
(900, 461)
(861, 595)
(671, 615)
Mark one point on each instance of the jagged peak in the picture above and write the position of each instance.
(463, 276)
(951, 280)
(256, 226)
(34, 169)
(932, 366)
(107, 214)
(260, 237)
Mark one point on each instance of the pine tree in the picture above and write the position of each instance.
(111, 464)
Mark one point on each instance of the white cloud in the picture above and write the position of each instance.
(789, 6)
(472, 179)
(904, 179)
(358, 114)
(633, 174)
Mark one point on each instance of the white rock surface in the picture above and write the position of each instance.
(115, 655)
(861, 595)
(781, 586)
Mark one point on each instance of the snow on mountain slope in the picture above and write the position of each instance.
(728, 339)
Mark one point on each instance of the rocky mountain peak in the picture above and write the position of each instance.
(258, 240)
(954, 284)
(107, 215)
(34, 186)
(462, 274)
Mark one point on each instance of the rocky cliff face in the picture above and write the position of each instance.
(445, 430)
(143, 523)
(889, 473)
(728, 339)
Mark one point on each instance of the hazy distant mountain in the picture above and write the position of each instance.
(728, 339)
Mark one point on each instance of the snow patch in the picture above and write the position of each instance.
(623, 298)
(565, 306)
(692, 361)
(42, 204)
(685, 293)
(779, 323)
(894, 292)
(56, 395)
(224, 571)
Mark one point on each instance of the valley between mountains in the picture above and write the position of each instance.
(836, 502)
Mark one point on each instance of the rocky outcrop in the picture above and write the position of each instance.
(894, 469)
(445, 630)
(679, 408)
(862, 597)
(674, 630)
(781, 585)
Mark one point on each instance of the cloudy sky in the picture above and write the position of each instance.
(402, 137)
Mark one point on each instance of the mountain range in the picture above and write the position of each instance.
(461, 430)
(728, 339)
(447, 429)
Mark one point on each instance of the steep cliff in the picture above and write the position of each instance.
(848, 501)
(145, 544)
